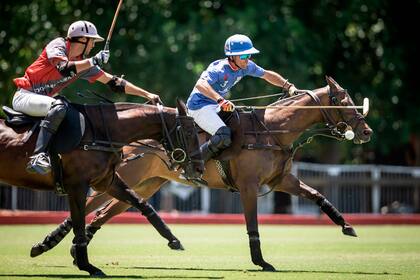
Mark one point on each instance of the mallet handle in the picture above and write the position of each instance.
(111, 29)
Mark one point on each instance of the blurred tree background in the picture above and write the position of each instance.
(163, 46)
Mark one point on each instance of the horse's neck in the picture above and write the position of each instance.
(139, 122)
(296, 120)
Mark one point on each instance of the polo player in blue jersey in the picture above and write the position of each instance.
(208, 95)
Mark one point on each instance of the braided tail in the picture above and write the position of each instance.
(52, 239)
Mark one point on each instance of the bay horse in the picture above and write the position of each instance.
(93, 163)
(268, 163)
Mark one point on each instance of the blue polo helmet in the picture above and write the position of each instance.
(239, 44)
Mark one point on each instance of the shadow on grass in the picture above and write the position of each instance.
(75, 276)
(259, 270)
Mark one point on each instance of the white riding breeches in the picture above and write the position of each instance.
(207, 118)
(32, 104)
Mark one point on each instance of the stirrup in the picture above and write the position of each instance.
(39, 163)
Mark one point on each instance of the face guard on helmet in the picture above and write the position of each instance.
(239, 44)
(83, 28)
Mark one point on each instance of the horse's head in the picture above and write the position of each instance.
(187, 154)
(347, 119)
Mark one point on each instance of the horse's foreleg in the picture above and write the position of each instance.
(122, 192)
(249, 193)
(77, 201)
(58, 234)
(292, 185)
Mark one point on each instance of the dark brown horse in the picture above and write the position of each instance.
(270, 164)
(94, 163)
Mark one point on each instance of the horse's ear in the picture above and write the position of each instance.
(182, 109)
(333, 84)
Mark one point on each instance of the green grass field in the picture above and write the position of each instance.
(221, 252)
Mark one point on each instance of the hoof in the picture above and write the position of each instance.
(176, 245)
(98, 273)
(37, 250)
(349, 230)
(93, 271)
(268, 267)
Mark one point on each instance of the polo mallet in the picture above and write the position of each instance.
(364, 107)
(111, 29)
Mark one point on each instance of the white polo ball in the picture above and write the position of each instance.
(349, 134)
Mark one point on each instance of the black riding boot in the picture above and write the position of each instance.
(40, 161)
(207, 152)
(217, 143)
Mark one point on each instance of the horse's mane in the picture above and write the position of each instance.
(293, 99)
(288, 100)
(123, 106)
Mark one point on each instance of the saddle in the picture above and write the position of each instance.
(69, 133)
(67, 138)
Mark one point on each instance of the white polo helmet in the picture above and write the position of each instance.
(83, 28)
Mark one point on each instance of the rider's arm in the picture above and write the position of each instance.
(121, 85)
(70, 68)
(276, 79)
(205, 88)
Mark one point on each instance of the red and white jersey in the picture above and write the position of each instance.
(42, 76)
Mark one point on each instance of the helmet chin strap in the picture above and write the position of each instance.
(233, 63)
(83, 43)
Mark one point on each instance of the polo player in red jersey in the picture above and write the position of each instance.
(61, 63)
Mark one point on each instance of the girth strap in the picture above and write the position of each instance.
(223, 167)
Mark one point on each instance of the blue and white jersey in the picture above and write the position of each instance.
(221, 78)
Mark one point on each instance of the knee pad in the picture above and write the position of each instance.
(55, 115)
(222, 139)
(58, 108)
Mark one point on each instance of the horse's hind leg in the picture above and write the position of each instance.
(77, 201)
(58, 234)
(122, 192)
(292, 185)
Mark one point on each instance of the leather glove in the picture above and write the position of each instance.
(100, 58)
(226, 105)
(155, 99)
(292, 90)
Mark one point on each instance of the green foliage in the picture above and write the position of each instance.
(164, 45)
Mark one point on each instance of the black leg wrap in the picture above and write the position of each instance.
(149, 212)
(52, 239)
(256, 254)
(81, 256)
(331, 211)
(90, 232)
(255, 246)
(82, 261)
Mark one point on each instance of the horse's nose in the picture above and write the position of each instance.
(367, 132)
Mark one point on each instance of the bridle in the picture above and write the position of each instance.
(337, 129)
(177, 151)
